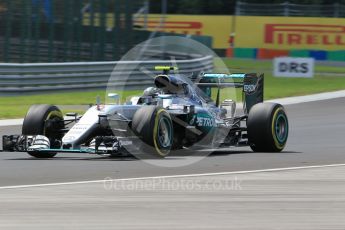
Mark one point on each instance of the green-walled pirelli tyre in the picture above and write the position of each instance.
(44, 120)
(155, 128)
(268, 127)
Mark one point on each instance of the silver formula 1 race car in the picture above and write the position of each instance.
(177, 113)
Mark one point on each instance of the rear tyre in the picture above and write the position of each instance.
(268, 127)
(154, 127)
(46, 120)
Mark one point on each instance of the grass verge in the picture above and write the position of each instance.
(17, 106)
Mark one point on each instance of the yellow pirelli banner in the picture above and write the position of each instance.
(250, 32)
(259, 32)
(290, 33)
(218, 27)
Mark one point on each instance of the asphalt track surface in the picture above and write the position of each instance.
(317, 131)
(308, 199)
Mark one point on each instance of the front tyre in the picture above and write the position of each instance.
(268, 127)
(46, 120)
(154, 127)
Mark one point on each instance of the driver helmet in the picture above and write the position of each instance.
(150, 91)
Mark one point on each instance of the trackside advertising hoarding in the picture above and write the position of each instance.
(284, 33)
(293, 67)
(287, 33)
(290, 33)
(216, 26)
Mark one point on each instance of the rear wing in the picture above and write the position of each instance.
(252, 86)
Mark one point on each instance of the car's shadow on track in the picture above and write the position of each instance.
(76, 158)
(181, 155)
(222, 153)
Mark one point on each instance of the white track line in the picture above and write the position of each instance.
(11, 122)
(309, 98)
(169, 177)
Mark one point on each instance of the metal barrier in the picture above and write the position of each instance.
(39, 77)
(286, 8)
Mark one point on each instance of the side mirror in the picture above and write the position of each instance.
(71, 114)
(115, 97)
